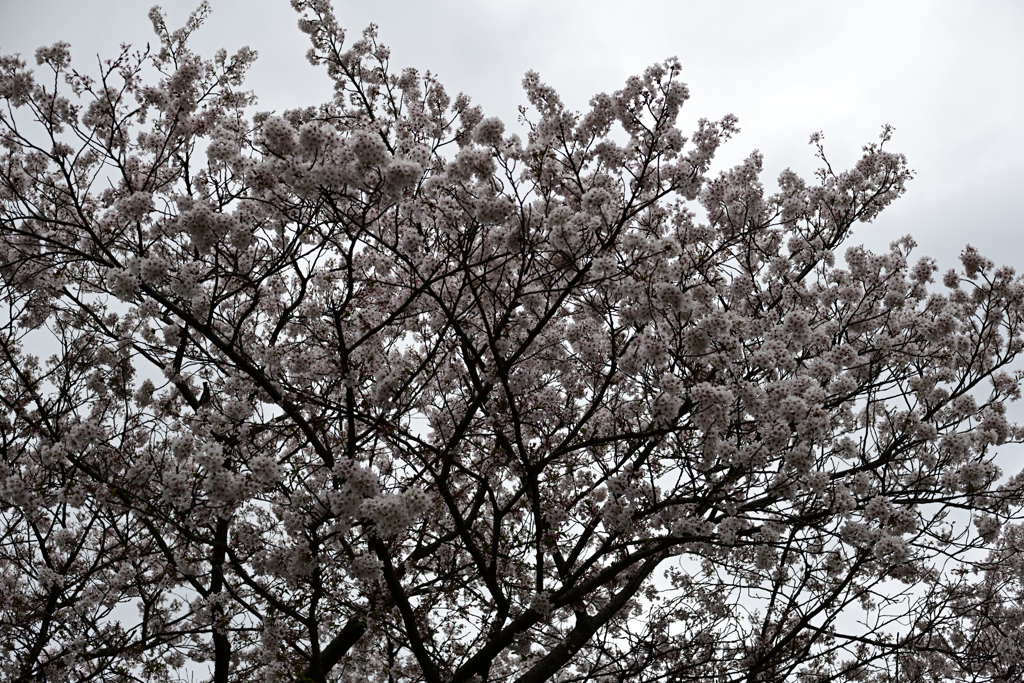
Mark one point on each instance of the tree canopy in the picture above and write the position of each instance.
(381, 391)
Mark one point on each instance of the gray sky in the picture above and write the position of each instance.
(948, 75)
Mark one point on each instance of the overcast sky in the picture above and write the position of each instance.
(948, 75)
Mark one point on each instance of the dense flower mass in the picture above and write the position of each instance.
(381, 390)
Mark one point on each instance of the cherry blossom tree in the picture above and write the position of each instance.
(380, 391)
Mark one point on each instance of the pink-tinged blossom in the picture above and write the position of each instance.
(402, 174)
(891, 550)
(279, 135)
(488, 132)
(369, 148)
(123, 284)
